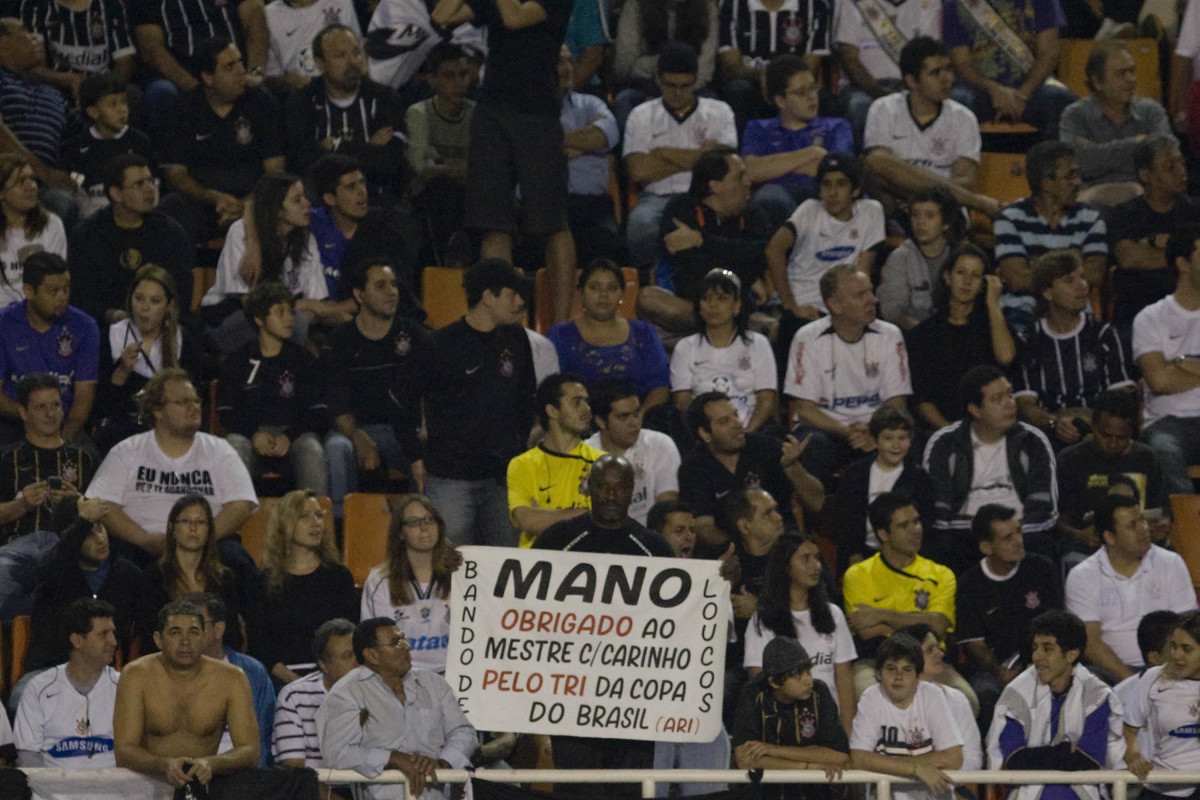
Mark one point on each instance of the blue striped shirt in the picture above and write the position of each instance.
(35, 113)
(1021, 231)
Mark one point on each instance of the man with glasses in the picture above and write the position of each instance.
(145, 474)
(383, 714)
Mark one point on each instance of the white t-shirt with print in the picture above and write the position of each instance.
(991, 479)
(70, 730)
(652, 125)
(1169, 710)
(953, 133)
(140, 478)
(17, 247)
(926, 726)
(746, 366)
(825, 649)
(822, 242)
(912, 18)
(293, 29)
(425, 621)
(655, 460)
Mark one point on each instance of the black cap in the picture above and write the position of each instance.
(678, 58)
(495, 275)
(784, 655)
(844, 163)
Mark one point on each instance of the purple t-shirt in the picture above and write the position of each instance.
(69, 350)
(766, 137)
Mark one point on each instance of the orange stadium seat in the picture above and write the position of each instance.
(1185, 531)
(442, 295)
(1002, 176)
(366, 522)
(19, 647)
(203, 279)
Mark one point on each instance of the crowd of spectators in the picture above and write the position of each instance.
(931, 435)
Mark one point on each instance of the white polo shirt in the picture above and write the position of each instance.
(652, 125)
(1168, 328)
(1098, 593)
(823, 241)
(847, 380)
(912, 18)
(742, 369)
(953, 133)
(70, 730)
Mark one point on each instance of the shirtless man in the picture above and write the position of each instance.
(173, 706)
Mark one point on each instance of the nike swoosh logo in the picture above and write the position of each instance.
(1176, 336)
(22, 348)
(545, 488)
(84, 149)
(200, 137)
(289, 33)
(474, 369)
(880, 599)
(899, 135)
(719, 495)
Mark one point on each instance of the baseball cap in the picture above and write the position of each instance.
(844, 163)
(495, 275)
(784, 655)
(677, 58)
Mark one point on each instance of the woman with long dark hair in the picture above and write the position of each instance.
(412, 584)
(190, 563)
(967, 328)
(725, 355)
(272, 243)
(795, 603)
(28, 226)
(305, 585)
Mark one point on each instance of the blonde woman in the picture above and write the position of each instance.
(304, 585)
(412, 585)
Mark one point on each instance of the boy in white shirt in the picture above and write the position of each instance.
(904, 726)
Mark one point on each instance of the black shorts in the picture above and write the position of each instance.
(509, 149)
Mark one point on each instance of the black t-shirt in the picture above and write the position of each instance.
(283, 391)
(522, 65)
(479, 396)
(1134, 289)
(815, 722)
(22, 464)
(186, 23)
(87, 153)
(704, 482)
(225, 153)
(735, 243)
(583, 535)
(1084, 471)
(104, 258)
(1000, 612)
(940, 353)
(377, 380)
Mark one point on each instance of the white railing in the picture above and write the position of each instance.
(649, 779)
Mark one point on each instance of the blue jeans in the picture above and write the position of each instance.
(692, 755)
(855, 103)
(343, 466)
(19, 561)
(305, 461)
(1176, 440)
(778, 202)
(642, 228)
(1042, 111)
(476, 512)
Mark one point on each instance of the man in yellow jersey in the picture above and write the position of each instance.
(896, 586)
(548, 483)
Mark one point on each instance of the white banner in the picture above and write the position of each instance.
(580, 644)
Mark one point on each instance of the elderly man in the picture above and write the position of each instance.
(383, 714)
(1107, 126)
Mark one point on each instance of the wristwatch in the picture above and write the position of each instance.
(1179, 359)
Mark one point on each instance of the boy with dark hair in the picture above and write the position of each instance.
(787, 720)
(782, 153)
(1056, 714)
(904, 725)
(1154, 640)
(269, 396)
(102, 98)
(910, 277)
(888, 469)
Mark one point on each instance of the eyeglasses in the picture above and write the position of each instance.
(401, 641)
(417, 522)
